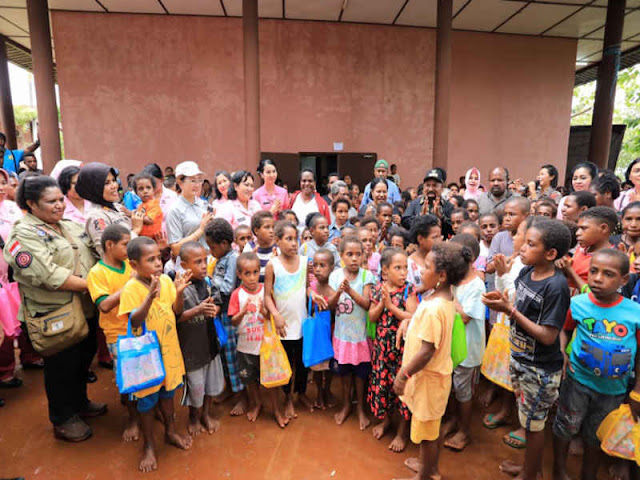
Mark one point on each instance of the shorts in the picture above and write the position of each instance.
(421, 431)
(464, 382)
(249, 368)
(536, 390)
(362, 370)
(582, 410)
(207, 380)
(146, 404)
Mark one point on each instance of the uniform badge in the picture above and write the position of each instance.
(23, 259)
(15, 248)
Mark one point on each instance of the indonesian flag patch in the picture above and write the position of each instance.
(15, 248)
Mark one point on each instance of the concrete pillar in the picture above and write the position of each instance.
(443, 85)
(40, 34)
(606, 85)
(251, 83)
(6, 104)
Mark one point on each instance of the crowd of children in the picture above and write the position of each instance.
(549, 309)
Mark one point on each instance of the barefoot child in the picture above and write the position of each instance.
(592, 388)
(425, 232)
(340, 208)
(351, 300)
(199, 343)
(285, 285)
(264, 247)
(468, 302)
(323, 265)
(144, 186)
(370, 257)
(105, 281)
(542, 300)
(248, 314)
(424, 380)
(151, 298)
(319, 229)
(219, 237)
(392, 301)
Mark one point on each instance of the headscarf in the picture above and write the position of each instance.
(90, 183)
(469, 192)
(61, 165)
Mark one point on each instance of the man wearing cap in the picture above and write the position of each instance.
(381, 170)
(430, 202)
(498, 193)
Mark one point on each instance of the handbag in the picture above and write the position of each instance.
(458, 341)
(52, 332)
(275, 369)
(139, 358)
(619, 434)
(316, 337)
(9, 306)
(495, 362)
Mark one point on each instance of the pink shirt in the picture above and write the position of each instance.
(10, 212)
(239, 215)
(72, 213)
(266, 199)
(5, 230)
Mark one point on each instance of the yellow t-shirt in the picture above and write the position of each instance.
(162, 320)
(102, 282)
(211, 265)
(427, 391)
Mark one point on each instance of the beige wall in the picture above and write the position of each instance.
(142, 88)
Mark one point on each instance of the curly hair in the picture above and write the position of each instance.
(218, 230)
(602, 214)
(454, 259)
(422, 226)
(555, 234)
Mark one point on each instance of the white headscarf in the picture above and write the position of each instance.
(469, 192)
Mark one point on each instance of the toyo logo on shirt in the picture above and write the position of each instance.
(605, 327)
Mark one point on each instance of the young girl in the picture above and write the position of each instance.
(424, 380)
(285, 286)
(424, 232)
(370, 258)
(630, 231)
(392, 301)
(352, 286)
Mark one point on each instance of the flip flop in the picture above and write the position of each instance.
(519, 442)
(489, 423)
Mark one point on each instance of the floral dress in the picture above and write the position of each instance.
(387, 359)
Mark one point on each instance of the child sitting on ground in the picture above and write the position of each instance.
(606, 327)
(424, 380)
(150, 297)
(264, 247)
(199, 342)
(468, 302)
(219, 237)
(248, 314)
(144, 186)
(392, 301)
(351, 300)
(542, 300)
(323, 265)
(105, 281)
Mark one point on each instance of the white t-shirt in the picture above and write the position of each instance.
(290, 294)
(251, 328)
(470, 297)
(302, 209)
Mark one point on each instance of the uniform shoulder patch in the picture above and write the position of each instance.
(23, 259)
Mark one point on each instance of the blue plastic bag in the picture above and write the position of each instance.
(221, 333)
(316, 337)
(131, 201)
(139, 363)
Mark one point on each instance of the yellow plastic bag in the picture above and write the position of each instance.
(619, 434)
(275, 369)
(495, 363)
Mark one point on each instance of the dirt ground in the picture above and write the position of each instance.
(311, 447)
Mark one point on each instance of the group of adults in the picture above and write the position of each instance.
(52, 228)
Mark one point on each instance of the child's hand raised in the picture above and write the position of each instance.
(497, 301)
(154, 287)
(208, 308)
(137, 220)
(161, 239)
(206, 218)
(345, 286)
(182, 281)
(502, 264)
(565, 263)
(386, 297)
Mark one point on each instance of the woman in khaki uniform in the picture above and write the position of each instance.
(51, 258)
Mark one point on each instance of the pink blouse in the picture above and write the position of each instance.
(10, 212)
(239, 215)
(72, 213)
(266, 199)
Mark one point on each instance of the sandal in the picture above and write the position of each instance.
(13, 383)
(492, 424)
(515, 441)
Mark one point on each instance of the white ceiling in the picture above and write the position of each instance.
(580, 19)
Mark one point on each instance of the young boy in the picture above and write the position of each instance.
(241, 237)
(145, 187)
(576, 203)
(384, 214)
(265, 246)
(152, 298)
(199, 343)
(515, 211)
(468, 302)
(248, 314)
(546, 208)
(319, 229)
(542, 300)
(219, 237)
(458, 217)
(602, 357)
(340, 208)
(594, 229)
(105, 281)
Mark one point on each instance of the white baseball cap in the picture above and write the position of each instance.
(188, 169)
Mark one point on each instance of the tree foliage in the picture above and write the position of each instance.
(626, 111)
(24, 115)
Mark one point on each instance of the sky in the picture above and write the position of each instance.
(21, 81)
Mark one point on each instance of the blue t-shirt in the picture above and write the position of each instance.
(12, 159)
(604, 349)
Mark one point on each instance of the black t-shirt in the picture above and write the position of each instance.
(544, 302)
(198, 340)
